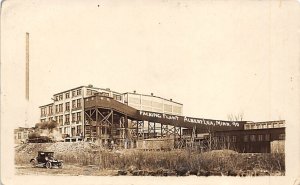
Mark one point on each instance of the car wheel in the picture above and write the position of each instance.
(33, 163)
(48, 165)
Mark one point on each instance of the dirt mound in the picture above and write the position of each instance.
(58, 147)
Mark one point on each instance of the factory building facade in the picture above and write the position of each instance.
(67, 107)
(131, 120)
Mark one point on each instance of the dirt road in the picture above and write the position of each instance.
(75, 170)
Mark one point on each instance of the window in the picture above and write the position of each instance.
(117, 97)
(79, 103)
(65, 130)
(67, 118)
(67, 106)
(79, 129)
(246, 138)
(73, 117)
(94, 92)
(79, 92)
(260, 137)
(73, 93)
(88, 92)
(105, 94)
(67, 95)
(56, 108)
(60, 107)
(60, 119)
(234, 139)
(43, 112)
(56, 98)
(60, 97)
(19, 135)
(78, 116)
(56, 118)
(267, 137)
(177, 109)
(281, 124)
(168, 108)
(73, 104)
(50, 109)
(252, 138)
(134, 100)
(148, 103)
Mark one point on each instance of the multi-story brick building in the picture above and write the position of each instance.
(67, 107)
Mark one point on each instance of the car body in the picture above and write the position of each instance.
(46, 159)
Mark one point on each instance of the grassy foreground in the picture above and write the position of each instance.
(176, 162)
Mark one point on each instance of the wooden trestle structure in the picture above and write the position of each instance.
(108, 121)
(111, 122)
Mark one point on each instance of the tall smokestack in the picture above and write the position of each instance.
(27, 79)
(27, 68)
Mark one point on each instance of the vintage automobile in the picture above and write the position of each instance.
(46, 159)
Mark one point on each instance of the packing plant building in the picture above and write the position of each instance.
(68, 107)
(130, 119)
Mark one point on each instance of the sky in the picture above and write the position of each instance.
(214, 57)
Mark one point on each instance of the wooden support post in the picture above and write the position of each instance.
(161, 130)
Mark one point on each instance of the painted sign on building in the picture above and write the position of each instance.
(190, 121)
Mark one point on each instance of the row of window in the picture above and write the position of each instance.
(67, 95)
(248, 138)
(149, 105)
(254, 138)
(59, 108)
(77, 131)
(75, 104)
(264, 125)
(75, 117)
(224, 139)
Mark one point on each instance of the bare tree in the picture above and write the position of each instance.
(235, 117)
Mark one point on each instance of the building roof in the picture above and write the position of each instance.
(68, 90)
(46, 105)
(92, 87)
(154, 96)
(23, 128)
(265, 121)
